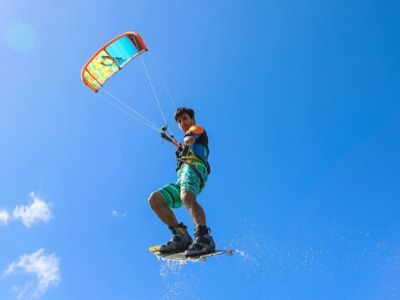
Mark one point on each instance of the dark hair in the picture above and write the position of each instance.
(183, 110)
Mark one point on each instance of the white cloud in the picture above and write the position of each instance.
(37, 211)
(46, 268)
(4, 217)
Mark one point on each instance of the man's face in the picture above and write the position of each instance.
(185, 122)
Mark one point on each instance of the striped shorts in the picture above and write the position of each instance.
(187, 180)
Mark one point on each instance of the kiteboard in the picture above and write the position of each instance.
(180, 256)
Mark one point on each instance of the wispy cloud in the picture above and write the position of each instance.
(118, 214)
(46, 268)
(37, 211)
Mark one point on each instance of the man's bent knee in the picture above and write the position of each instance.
(156, 200)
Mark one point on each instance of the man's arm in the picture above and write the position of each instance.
(192, 134)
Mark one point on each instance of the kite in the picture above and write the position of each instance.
(111, 58)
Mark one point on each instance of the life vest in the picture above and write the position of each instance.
(198, 151)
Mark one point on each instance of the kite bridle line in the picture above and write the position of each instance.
(163, 81)
(108, 61)
(125, 108)
(165, 127)
(153, 90)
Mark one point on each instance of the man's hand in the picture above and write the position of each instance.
(188, 140)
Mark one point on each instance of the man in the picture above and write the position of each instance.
(193, 169)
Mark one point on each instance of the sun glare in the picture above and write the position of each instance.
(22, 37)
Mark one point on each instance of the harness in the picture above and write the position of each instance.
(181, 155)
(183, 152)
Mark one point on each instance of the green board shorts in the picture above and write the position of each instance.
(187, 180)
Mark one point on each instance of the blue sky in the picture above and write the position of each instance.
(300, 100)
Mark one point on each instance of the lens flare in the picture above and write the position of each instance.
(22, 37)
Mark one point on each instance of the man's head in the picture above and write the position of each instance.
(185, 118)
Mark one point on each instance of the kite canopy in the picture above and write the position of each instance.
(111, 58)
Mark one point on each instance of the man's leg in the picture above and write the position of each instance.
(203, 243)
(196, 211)
(159, 206)
(181, 239)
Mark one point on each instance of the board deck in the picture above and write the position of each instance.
(180, 256)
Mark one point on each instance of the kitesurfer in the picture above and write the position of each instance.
(192, 171)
